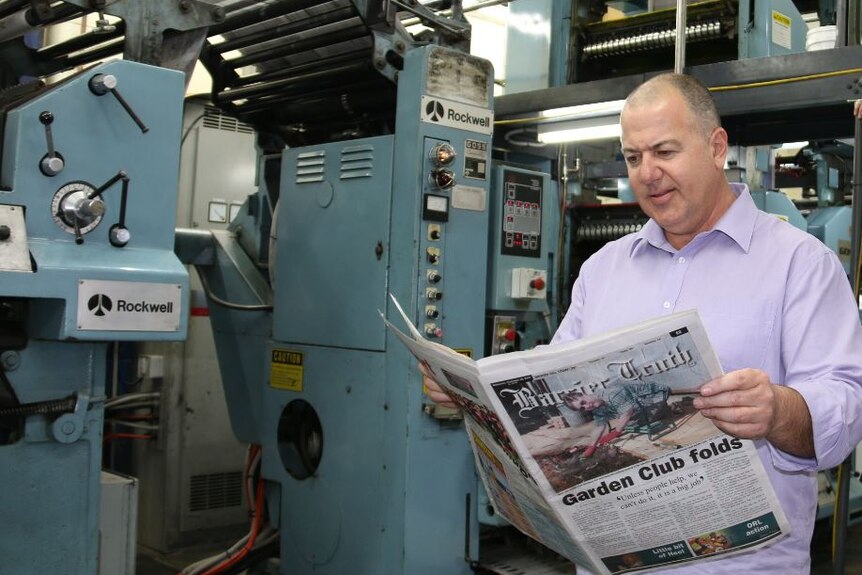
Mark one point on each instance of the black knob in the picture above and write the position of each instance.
(46, 117)
(435, 234)
(5, 233)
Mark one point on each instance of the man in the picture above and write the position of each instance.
(775, 301)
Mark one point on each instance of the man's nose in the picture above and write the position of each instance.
(649, 170)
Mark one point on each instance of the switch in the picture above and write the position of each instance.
(433, 276)
(433, 294)
(529, 283)
(537, 284)
(504, 335)
(431, 330)
(442, 178)
(434, 232)
(431, 312)
(433, 255)
(442, 154)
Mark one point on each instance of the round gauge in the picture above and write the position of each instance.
(71, 205)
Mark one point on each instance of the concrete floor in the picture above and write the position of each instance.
(821, 555)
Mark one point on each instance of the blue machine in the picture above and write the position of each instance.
(363, 474)
(89, 171)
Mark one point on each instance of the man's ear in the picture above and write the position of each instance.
(718, 146)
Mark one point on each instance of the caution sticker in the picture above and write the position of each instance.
(285, 370)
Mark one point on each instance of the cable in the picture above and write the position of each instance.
(786, 80)
(191, 126)
(260, 533)
(255, 530)
(112, 436)
(145, 426)
(508, 137)
(129, 397)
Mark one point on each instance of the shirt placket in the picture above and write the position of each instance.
(674, 278)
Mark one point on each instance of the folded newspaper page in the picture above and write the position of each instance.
(594, 447)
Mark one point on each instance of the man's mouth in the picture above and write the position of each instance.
(661, 194)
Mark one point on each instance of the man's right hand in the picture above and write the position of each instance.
(433, 390)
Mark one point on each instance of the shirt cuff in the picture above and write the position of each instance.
(823, 399)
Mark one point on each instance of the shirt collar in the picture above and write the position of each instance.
(737, 223)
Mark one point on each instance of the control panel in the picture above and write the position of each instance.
(520, 242)
(522, 214)
(439, 161)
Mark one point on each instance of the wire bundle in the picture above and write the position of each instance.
(260, 534)
(116, 413)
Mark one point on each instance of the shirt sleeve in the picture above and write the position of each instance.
(570, 328)
(821, 353)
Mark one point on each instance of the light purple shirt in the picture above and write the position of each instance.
(771, 297)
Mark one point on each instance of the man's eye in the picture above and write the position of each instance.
(665, 153)
(631, 160)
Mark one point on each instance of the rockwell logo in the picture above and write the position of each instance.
(457, 115)
(434, 110)
(100, 304)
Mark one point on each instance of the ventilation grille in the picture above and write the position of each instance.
(310, 166)
(215, 491)
(213, 118)
(357, 162)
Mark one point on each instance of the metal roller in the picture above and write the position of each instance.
(654, 39)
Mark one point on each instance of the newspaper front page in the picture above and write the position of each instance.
(595, 449)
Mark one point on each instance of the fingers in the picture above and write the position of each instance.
(433, 390)
(740, 403)
(439, 397)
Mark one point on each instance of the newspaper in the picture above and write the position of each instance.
(635, 481)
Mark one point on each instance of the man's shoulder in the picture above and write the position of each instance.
(776, 235)
(621, 246)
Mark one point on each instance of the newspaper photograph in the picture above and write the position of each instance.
(594, 447)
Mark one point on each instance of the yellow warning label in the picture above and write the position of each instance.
(285, 370)
(780, 18)
(465, 351)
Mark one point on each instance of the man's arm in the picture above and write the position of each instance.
(747, 405)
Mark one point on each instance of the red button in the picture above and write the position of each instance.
(510, 334)
(537, 284)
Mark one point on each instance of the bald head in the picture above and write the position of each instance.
(694, 94)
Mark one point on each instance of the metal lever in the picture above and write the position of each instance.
(51, 164)
(119, 235)
(101, 84)
(97, 193)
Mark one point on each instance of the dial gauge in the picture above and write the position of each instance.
(70, 204)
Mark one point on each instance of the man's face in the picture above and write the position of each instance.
(586, 402)
(675, 170)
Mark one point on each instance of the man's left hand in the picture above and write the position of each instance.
(740, 403)
(747, 405)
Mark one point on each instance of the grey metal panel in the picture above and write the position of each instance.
(334, 296)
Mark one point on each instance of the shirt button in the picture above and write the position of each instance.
(681, 260)
(666, 305)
